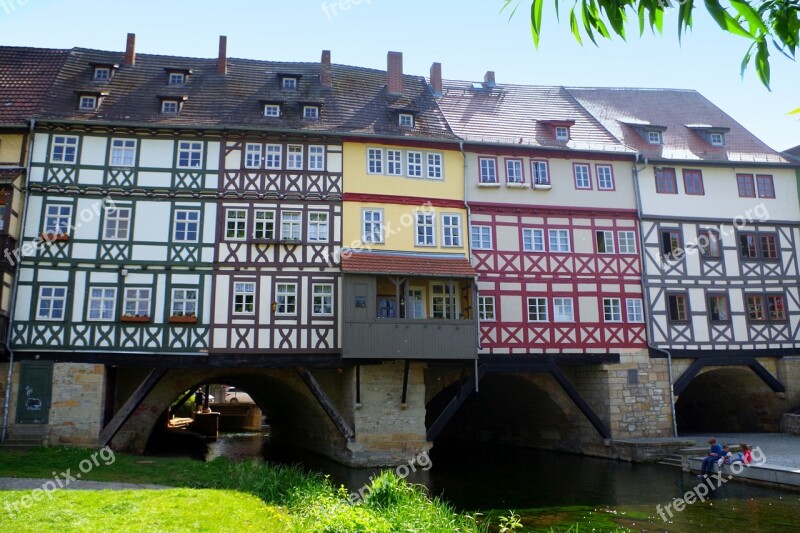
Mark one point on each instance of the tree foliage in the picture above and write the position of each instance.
(762, 22)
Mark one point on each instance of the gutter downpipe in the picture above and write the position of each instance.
(468, 237)
(15, 287)
(647, 307)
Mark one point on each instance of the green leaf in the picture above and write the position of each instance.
(750, 15)
(762, 62)
(726, 21)
(536, 20)
(747, 57)
(795, 112)
(573, 24)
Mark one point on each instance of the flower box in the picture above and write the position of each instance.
(182, 319)
(137, 319)
(54, 237)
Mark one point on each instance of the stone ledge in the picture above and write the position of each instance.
(763, 474)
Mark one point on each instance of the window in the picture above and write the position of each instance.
(57, 219)
(236, 224)
(88, 103)
(102, 302)
(52, 303)
(481, 237)
(563, 310)
(718, 308)
(634, 310)
(488, 169)
(123, 152)
(294, 157)
(769, 247)
(605, 242)
(272, 110)
(435, 166)
(190, 154)
(425, 229)
(514, 171)
(169, 107)
(533, 240)
(316, 158)
(244, 298)
(414, 164)
(765, 186)
(677, 308)
(693, 182)
(605, 177)
(176, 78)
(187, 225)
(65, 149)
(486, 308)
(627, 242)
(318, 227)
(755, 246)
(537, 309)
(442, 302)
(717, 139)
(671, 243)
(117, 224)
(612, 310)
(746, 185)
(137, 302)
(290, 225)
(415, 304)
(286, 298)
(102, 73)
(755, 307)
(184, 302)
(539, 173)
(451, 230)
(264, 225)
(372, 225)
(374, 161)
(289, 83)
(747, 246)
(709, 244)
(776, 307)
(665, 181)
(406, 121)
(654, 137)
(274, 156)
(252, 156)
(558, 239)
(311, 112)
(562, 133)
(583, 178)
(394, 162)
(322, 299)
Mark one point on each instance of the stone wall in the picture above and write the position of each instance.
(76, 411)
(790, 424)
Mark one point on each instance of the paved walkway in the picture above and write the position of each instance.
(30, 484)
(780, 449)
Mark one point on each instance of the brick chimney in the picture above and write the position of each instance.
(325, 75)
(222, 60)
(488, 79)
(436, 79)
(130, 50)
(394, 73)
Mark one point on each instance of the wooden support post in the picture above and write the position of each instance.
(575, 396)
(358, 385)
(326, 404)
(465, 389)
(131, 405)
(405, 382)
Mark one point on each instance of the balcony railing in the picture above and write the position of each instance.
(410, 339)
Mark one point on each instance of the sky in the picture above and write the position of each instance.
(468, 38)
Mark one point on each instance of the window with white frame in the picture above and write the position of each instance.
(537, 309)
(137, 302)
(244, 298)
(627, 242)
(176, 78)
(190, 154)
(583, 177)
(316, 157)
(274, 158)
(289, 83)
(294, 157)
(286, 298)
(488, 170)
(435, 166)
(514, 171)
(52, 303)
(533, 240)
(481, 237)
(486, 309)
(102, 302)
(87, 102)
(311, 112)
(558, 239)
(252, 155)
(264, 225)
(414, 164)
(117, 225)
(291, 222)
(169, 107)
(57, 219)
(562, 133)
(612, 310)
(322, 299)
(272, 110)
(187, 225)
(394, 162)
(406, 120)
(184, 302)
(102, 73)
(563, 310)
(539, 173)
(605, 242)
(451, 230)
(717, 139)
(64, 150)
(374, 161)
(372, 226)
(317, 227)
(634, 310)
(605, 178)
(425, 229)
(236, 224)
(123, 152)
(654, 137)
(442, 301)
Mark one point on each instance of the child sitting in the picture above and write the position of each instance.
(725, 456)
(744, 456)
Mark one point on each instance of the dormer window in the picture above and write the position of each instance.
(272, 110)
(88, 103)
(169, 107)
(717, 139)
(177, 78)
(654, 137)
(562, 133)
(289, 83)
(102, 73)
(311, 112)
(406, 120)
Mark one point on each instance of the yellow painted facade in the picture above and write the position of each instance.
(11, 148)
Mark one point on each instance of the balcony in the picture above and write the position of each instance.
(410, 339)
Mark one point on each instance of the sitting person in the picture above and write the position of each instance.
(744, 456)
(725, 457)
(713, 456)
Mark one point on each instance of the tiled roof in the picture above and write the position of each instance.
(793, 153)
(519, 114)
(26, 74)
(406, 265)
(684, 114)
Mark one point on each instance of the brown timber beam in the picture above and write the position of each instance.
(131, 405)
(326, 404)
